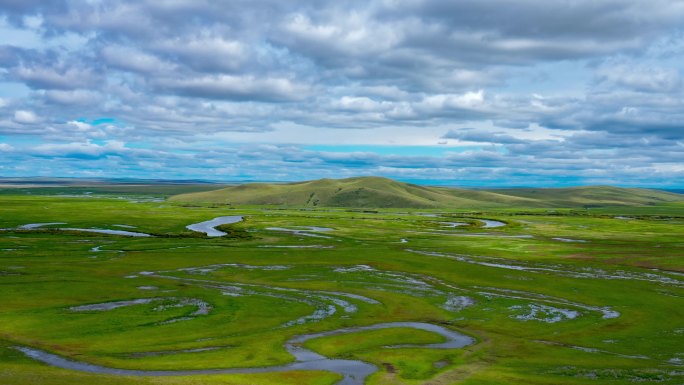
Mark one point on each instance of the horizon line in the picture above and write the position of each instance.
(52, 181)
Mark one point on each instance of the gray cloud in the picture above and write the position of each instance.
(9, 56)
(51, 77)
(235, 87)
(73, 97)
(649, 79)
(479, 136)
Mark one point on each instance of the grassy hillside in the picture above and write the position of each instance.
(353, 192)
(382, 192)
(595, 196)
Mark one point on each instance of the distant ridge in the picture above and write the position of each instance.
(378, 192)
(48, 181)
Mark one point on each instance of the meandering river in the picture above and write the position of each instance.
(354, 372)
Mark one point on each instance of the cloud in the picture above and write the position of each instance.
(235, 88)
(134, 60)
(80, 126)
(25, 117)
(73, 97)
(361, 104)
(9, 55)
(640, 79)
(48, 77)
(479, 136)
(204, 53)
(584, 89)
(4, 147)
(356, 33)
(79, 150)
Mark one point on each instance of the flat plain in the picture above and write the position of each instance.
(546, 295)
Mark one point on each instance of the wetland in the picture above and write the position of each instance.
(334, 296)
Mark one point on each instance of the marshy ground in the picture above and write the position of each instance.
(550, 297)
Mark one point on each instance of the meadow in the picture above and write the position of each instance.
(547, 296)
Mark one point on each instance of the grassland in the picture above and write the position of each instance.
(374, 192)
(556, 296)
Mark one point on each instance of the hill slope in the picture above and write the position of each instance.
(382, 192)
(595, 196)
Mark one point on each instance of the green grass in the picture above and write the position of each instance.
(44, 273)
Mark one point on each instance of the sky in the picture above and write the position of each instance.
(487, 93)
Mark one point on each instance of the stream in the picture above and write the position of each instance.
(354, 372)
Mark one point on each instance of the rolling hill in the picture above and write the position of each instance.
(376, 192)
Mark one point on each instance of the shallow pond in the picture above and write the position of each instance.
(490, 224)
(209, 227)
